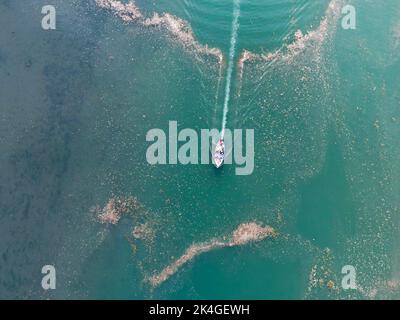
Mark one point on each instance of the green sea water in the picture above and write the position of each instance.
(76, 104)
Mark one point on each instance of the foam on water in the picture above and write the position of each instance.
(244, 233)
(126, 11)
(232, 51)
(313, 38)
(178, 28)
(115, 208)
(302, 66)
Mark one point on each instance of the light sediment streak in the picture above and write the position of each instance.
(232, 52)
(243, 234)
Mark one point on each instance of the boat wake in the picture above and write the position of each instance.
(287, 53)
(232, 52)
(178, 28)
(244, 233)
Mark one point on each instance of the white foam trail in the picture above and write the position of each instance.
(232, 51)
(221, 65)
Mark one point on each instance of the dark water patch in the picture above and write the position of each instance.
(35, 169)
(326, 215)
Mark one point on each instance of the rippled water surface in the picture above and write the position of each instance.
(77, 192)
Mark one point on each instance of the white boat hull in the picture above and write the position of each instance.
(219, 153)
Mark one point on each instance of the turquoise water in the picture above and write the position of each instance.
(77, 102)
